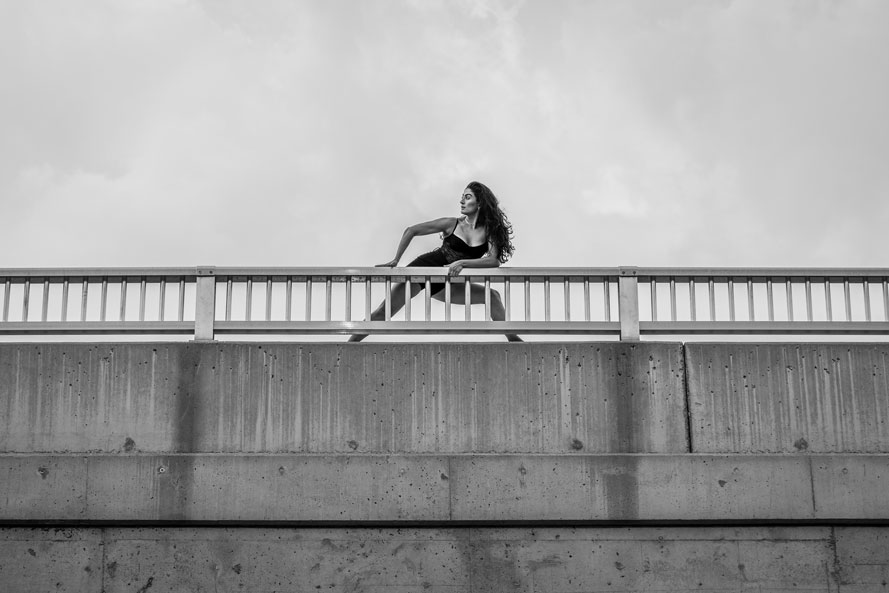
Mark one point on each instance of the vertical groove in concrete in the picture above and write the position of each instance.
(450, 490)
(812, 486)
(686, 400)
(102, 539)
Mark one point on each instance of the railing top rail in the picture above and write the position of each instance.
(95, 272)
(757, 272)
(414, 271)
(599, 272)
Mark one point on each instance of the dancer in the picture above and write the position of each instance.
(479, 238)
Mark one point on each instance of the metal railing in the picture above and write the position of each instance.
(208, 302)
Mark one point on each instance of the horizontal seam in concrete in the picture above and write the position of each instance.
(448, 524)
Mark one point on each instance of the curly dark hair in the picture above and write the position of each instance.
(496, 224)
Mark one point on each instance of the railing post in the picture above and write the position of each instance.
(628, 304)
(205, 304)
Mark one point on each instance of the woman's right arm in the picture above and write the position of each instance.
(439, 225)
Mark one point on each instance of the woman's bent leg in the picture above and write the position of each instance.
(396, 300)
(477, 297)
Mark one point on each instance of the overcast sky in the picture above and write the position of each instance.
(311, 133)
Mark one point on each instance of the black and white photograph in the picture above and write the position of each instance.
(446, 296)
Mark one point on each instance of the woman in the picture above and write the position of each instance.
(479, 238)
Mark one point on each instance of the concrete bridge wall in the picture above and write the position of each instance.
(457, 467)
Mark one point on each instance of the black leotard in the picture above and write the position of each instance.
(452, 249)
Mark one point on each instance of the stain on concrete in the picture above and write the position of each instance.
(620, 488)
(129, 445)
(147, 585)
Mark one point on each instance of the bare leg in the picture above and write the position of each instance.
(476, 297)
(396, 300)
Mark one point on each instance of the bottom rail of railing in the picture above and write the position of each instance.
(417, 327)
(764, 327)
(95, 327)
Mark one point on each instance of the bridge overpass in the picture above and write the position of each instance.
(609, 463)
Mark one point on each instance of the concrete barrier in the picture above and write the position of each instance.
(342, 398)
(788, 398)
(476, 560)
(428, 488)
(443, 467)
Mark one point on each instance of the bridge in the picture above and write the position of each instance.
(660, 439)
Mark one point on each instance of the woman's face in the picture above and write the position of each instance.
(468, 203)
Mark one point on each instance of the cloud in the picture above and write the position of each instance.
(311, 133)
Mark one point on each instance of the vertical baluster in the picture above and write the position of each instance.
(427, 297)
(181, 315)
(771, 299)
(162, 299)
(827, 299)
(228, 299)
(248, 305)
(789, 290)
(123, 300)
(84, 293)
(407, 298)
(349, 299)
(27, 300)
(64, 301)
(507, 298)
(712, 296)
(45, 310)
(104, 299)
(288, 300)
(672, 299)
(567, 299)
(693, 308)
(447, 298)
(268, 298)
(328, 296)
(487, 298)
(388, 298)
(527, 298)
(606, 286)
(653, 290)
(141, 298)
(866, 286)
(848, 299)
(367, 297)
(6, 291)
(586, 299)
(885, 300)
(309, 298)
(467, 300)
(546, 297)
(751, 314)
(808, 299)
(546, 307)
(731, 299)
